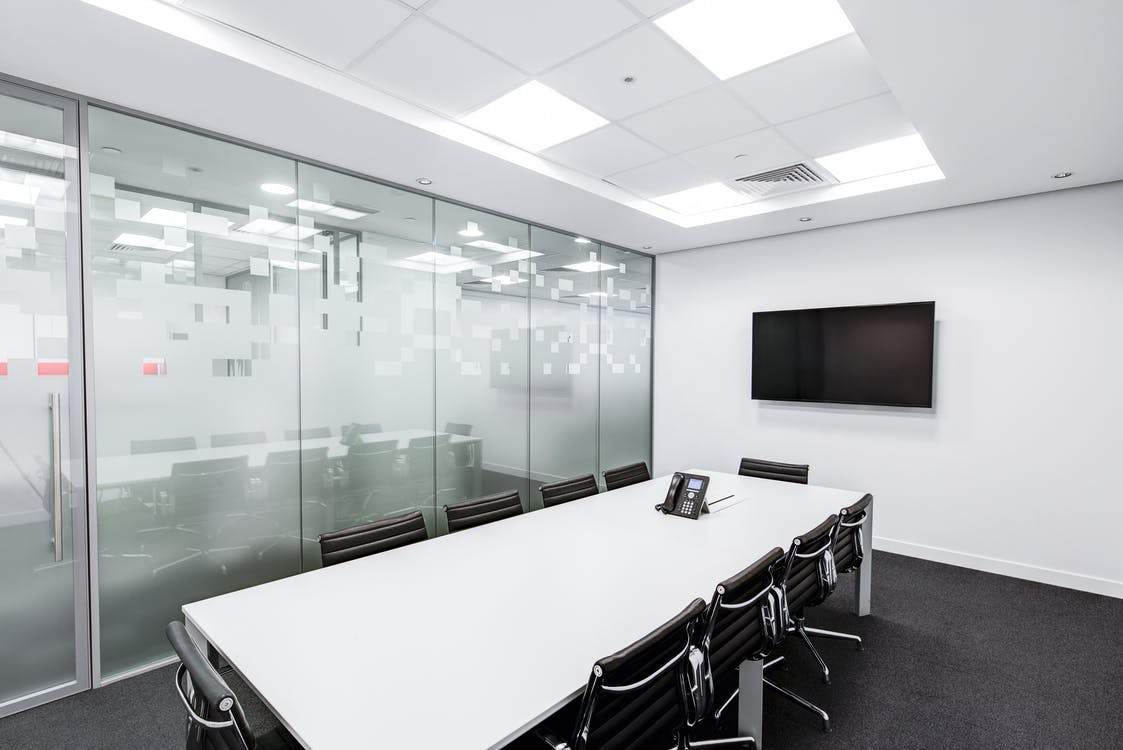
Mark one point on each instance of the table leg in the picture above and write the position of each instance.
(865, 573)
(750, 700)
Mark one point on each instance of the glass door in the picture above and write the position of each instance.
(44, 605)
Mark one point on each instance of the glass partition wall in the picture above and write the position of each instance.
(280, 350)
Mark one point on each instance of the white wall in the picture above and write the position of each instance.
(1015, 470)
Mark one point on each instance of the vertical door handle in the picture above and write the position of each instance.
(56, 469)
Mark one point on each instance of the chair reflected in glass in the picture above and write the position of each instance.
(162, 445)
(373, 483)
(208, 518)
(458, 428)
(308, 433)
(295, 493)
(228, 439)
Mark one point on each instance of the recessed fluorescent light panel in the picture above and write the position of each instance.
(440, 262)
(534, 117)
(701, 199)
(591, 266)
(143, 240)
(165, 217)
(731, 37)
(277, 188)
(303, 204)
(876, 159)
(497, 247)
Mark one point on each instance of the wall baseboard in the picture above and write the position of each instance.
(1053, 577)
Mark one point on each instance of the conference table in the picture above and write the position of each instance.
(469, 640)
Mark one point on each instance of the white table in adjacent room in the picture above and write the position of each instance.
(468, 640)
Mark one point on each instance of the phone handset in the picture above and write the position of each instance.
(673, 493)
(686, 496)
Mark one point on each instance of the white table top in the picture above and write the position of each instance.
(146, 467)
(467, 640)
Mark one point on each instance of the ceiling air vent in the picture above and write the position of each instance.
(780, 181)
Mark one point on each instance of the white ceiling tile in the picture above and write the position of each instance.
(744, 155)
(703, 117)
(828, 75)
(534, 35)
(604, 151)
(427, 65)
(849, 126)
(654, 7)
(333, 32)
(662, 71)
(661, 177)
(415, 3)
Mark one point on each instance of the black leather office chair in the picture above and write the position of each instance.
(809, 578)
(238, 438)
(745, 622)
(566, 490)
(648, 695)
(458, 428)
(371, 538)
(215, 720)
(755, 467)
(806, 577)
(162, 445)
(742, 621)
(483, 510)
(848, 549)
(626, 475)
(308, 433)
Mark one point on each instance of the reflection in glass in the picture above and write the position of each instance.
(564, 355)
(196, 364)
(481, 345)
(366, 352)
(38, 219)
(274, 364)
(625, 369)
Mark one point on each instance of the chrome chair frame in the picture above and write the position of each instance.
(852, 526)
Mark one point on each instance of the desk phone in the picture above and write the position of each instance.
(686, 496)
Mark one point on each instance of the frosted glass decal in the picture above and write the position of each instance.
(102, 185)
(565, 285)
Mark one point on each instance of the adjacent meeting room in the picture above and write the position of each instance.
(560, 374)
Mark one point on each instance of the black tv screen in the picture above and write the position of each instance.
(877, 354)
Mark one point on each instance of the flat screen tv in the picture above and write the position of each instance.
(876, 354)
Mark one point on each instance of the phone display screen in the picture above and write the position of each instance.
(694, 483)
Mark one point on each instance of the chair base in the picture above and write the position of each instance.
(797, 699)
(835, 635)
(798, 628)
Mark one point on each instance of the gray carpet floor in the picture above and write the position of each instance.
(954, 658)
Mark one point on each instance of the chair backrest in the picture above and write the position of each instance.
(741, 621)
(637, 698)
(368, 539)
(308, 433)
(357, 428)
(237, 438)
(483, 510)
(458, 428)
(557, 493)
(625, 475)
(162, 445)
(295, 475)
(849, 547)
(215, 720)
(756, 467)
(203, 489)
(423, 451)
(370, 464)
(809, 568)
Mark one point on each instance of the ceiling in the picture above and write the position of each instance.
(1002, 101)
